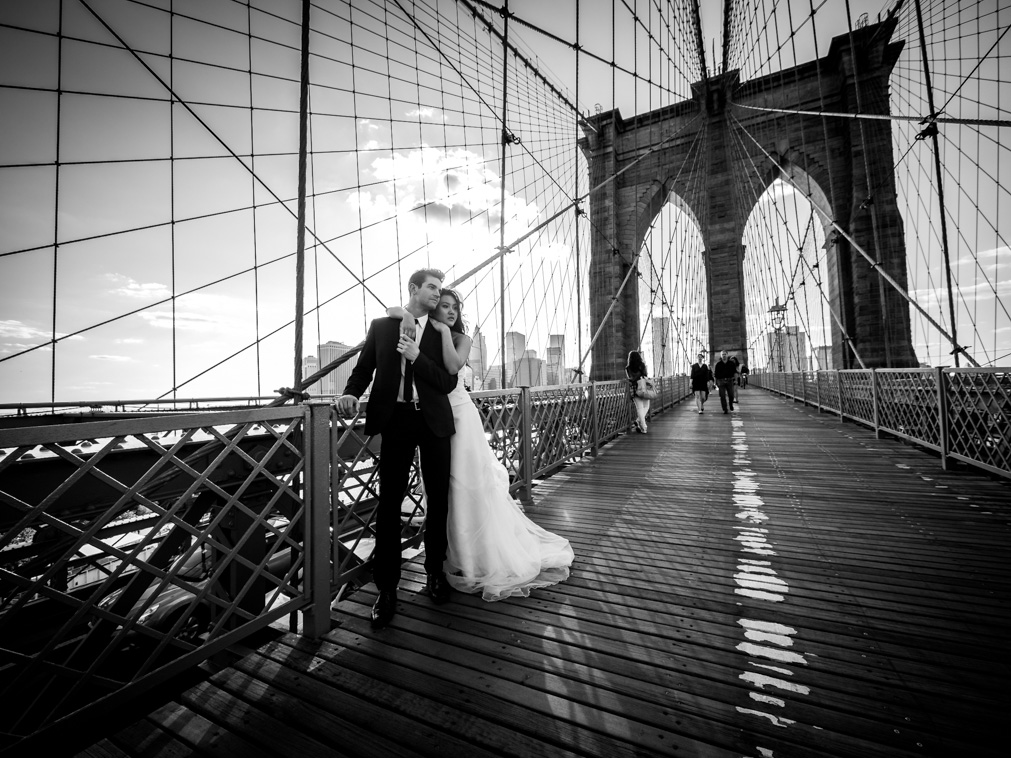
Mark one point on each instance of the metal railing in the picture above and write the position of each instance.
(135, 547)
(963, 414)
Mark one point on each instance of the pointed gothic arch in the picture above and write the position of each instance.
(829, 152)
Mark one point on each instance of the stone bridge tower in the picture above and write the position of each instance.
(823, 156)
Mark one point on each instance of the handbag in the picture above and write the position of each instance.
(644, 389)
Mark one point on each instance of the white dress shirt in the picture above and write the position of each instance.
(422, 323)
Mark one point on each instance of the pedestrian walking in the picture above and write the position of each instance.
(702, 379)
(725, 371)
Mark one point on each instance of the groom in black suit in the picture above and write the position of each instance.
(409, 408)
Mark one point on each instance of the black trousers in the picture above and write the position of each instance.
(406, 433)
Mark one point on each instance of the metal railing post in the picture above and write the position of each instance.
(525, 492)
(874, 403)
(594, 430)
(838, 385)
(942, 416)
(316, 617)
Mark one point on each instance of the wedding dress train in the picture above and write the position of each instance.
(494, 548)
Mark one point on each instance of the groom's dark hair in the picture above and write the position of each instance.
(418, 277)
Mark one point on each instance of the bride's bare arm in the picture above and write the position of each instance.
(409, 324)
(455, 347)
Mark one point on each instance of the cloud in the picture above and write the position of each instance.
(113, 358)
(365, 123)
(444, 212)
(17, 347)
(128, 287)
(12, 329)
(20, 330)
(184, 320)
(985, 257)
(129, 341)
(206, 312)
(456, 180)
(426, 113)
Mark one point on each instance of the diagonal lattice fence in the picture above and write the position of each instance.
(133, 548)
(964, 414)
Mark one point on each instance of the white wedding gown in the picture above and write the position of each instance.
(494, 548)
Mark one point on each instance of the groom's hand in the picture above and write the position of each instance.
(408, 348)
(347, 406)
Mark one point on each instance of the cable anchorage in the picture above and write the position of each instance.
(508, 138)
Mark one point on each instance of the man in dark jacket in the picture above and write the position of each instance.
(725, 371)
(409, 408)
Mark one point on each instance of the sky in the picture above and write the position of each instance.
(154, 213)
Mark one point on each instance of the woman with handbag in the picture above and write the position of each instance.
(702, 382)
(641, 388)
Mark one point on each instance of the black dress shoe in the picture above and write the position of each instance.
(438, 588)
(383, 610)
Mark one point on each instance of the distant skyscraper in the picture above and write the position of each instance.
(529, 370)
(663, 347)
(309, 367)
(788, 350)
(515, 347)
(493, 379)
(479, 359)
(821, 358)
(555, 368)
(334, 382)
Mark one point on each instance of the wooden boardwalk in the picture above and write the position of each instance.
(767, 583)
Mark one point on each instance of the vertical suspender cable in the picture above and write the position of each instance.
(56, 199)
(501, 228)
(575, 180)
(932, 130)
(172, 192)
(303, 131)
(252, 193)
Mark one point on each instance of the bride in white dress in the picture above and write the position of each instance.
(494, 548)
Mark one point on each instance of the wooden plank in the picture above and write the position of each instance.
(102, 749)
(206, 736)
(262, 721)
(289, 668)
(350, 719)
(146, 739)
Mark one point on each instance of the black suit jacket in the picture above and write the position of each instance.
(379, 356)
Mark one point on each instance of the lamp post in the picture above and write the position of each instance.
(777, 314)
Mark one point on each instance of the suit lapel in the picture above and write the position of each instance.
(426, 338)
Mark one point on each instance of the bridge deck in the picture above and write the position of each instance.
(853, 601)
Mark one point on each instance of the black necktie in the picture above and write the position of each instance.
(408, 380)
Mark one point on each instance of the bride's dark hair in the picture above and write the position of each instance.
(458, 325)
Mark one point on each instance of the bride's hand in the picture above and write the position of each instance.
(408, 324)
(438, 326)
(409, 327)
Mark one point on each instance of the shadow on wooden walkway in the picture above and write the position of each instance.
(766, 583)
